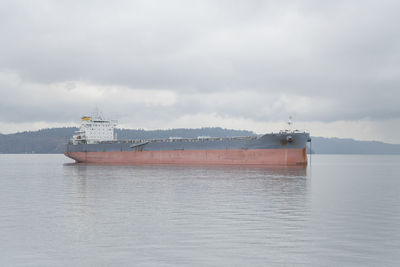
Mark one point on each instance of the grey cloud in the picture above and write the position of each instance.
(261, 60)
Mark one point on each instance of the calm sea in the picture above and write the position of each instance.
(340, 211)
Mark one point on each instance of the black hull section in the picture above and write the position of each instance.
(268, 141)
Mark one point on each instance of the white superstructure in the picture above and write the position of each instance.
(95, 129)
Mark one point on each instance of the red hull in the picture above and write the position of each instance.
(203, 157)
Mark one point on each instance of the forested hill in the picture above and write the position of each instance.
(54, 140)
(42, 141)
(321, 145)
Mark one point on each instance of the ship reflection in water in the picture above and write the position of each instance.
(178, 214)
(275, 179)
(194, 181)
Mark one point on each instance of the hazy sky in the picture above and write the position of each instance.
(332, 65)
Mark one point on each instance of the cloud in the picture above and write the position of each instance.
(153, 63)
(57, 102)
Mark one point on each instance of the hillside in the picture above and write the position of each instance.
(53, 140)
(321, 145)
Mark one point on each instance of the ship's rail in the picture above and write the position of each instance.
(202, 139)
(136, 141)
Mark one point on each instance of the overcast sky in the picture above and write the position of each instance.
(334, 66)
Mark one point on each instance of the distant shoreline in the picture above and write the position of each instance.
(53, 140)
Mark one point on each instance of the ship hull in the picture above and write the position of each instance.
(294, 156)
(269, 149)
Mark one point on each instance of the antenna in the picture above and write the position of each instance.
(290, 123)
(97, 113)
(310, 152)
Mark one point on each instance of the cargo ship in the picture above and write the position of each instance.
(96, 142)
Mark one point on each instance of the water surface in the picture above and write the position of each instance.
(341, 211)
